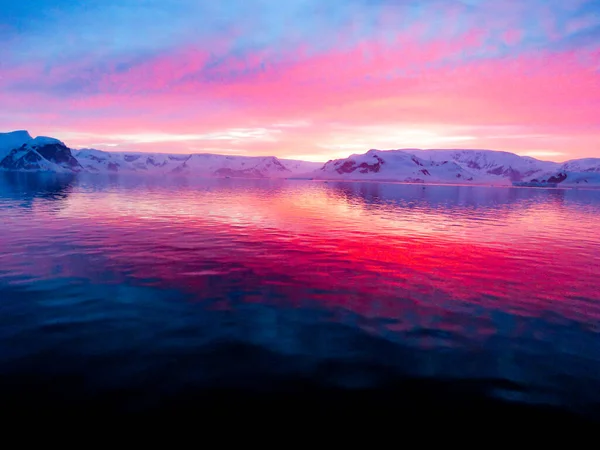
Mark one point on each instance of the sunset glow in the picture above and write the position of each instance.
(425, 245)
(303, 78)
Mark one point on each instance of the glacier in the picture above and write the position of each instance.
(19, 151)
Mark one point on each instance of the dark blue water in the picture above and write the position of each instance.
(134, 294)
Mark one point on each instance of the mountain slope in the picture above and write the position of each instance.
(584, 171)
(98, 161)
(586, 165)
(470, 166)
(10, 141)
(233, 166)
(490, 164)
(41, 154)
(203, 164)
(394, 165)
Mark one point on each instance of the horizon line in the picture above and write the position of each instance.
(526, 154)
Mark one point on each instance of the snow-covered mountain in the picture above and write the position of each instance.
(459, 166)
(233, 166)
(301, 167)
(98, 161)
(585, 165)
(12, 140)
(202, 165)
(19, 151)
(486, 164)
(41, 154)
(394, 165)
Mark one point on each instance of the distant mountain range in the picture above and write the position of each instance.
(460, 166)
(20, 152)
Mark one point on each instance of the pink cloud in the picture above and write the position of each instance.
(512, 36)
(406, 83)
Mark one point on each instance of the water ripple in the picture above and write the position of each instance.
(461, 282)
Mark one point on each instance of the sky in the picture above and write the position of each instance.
(307, 79)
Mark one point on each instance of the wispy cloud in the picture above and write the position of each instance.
(304, 77)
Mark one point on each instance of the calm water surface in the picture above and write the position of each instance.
(120, 282)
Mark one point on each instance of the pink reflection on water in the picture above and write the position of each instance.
(310, 243)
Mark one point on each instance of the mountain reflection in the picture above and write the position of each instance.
(479, 197)
(400, 244)
(23, 189)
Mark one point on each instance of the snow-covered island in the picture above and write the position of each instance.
(19, 151)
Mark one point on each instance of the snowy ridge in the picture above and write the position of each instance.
(12, 140)
(98, 161)
(459, 166)
(202, 165)
(233, 166)
(582, 165)
(486, 163)
(40, 154)
(19, 151)
(394, 165)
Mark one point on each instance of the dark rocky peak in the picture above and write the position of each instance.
(152, 162)
(274, 162)
(57, 153)
(21, 159)
(508, 172)
(416, 161)
(14, 139)
(37, 153)
(179, 157)
(558, 178)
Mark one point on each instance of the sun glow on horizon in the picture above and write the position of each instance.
(341, 143)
